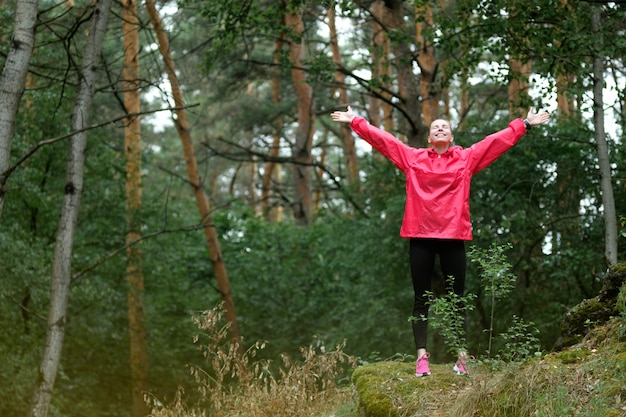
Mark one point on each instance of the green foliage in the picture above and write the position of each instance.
(521, 341)
(497, 279)
(346, 276)
(446, 312)
(337, 280)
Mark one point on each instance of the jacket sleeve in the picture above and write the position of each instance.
(392, 148)
(483, 153)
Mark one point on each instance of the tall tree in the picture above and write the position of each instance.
(427, 62)
(381, 68)
(13, 79)
(134, 269)
(271, 171)
(62, 262)
(182, 126)
(408, 89)
(604, 161)
(302, 204)
(347, 138)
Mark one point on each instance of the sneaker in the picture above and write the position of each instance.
(460, 367)
(421, 368)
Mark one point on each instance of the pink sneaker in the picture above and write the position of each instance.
(460, 367)
(421, 368)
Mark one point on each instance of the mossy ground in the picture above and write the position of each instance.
(587, 379)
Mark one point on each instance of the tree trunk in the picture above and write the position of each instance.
(271, 212)
(302, 204)
(565, 104)
(408, 92)
(182, 126)
(134, 270)
(428, 65)
(62, 263)
(13, 80)
(347, 138)
(464, 102)
(608, 201)
(382, 71)
(518, 87)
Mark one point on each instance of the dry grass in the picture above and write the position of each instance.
(584, 380)
(235, 383)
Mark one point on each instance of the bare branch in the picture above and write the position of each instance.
(5, 175)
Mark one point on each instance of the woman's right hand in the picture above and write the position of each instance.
(343, 116)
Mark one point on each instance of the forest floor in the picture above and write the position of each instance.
(587, 379)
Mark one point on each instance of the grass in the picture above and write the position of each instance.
(587, 379)
(234, 383)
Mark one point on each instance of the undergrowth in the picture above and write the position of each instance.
(585, 380)
(235, 383)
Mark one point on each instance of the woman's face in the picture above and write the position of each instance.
(440, 133)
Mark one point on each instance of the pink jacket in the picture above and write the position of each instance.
(438, 186)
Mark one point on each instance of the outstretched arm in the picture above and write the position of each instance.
(535, 119)
(343, 116)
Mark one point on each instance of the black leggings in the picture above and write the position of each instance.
(422, 258)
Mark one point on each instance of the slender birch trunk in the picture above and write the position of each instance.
(62, 262)
(182, 126)
(604, 161)
(13, 80)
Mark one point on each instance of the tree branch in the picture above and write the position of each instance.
(5, 175)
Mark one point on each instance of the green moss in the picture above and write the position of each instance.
(389, 389)
(573, 355)
(619, 269)
(378, 384)
(588, 379)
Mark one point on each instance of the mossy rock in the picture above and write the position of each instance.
(594, 311)
(388, 389)
(587, 379)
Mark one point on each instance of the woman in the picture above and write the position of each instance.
(437, 215)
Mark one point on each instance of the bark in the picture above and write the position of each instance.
(62, 262)
(273, 213)
(604, 161)
(565, 104)
(428, 65)
(464, 102)
(182, 126)
(347, 138)
(319, 174)
(408, 91)
(378, 56)
(302, 204)
(382, 70)
(134, 270)
(13, 80)
(518, 87)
